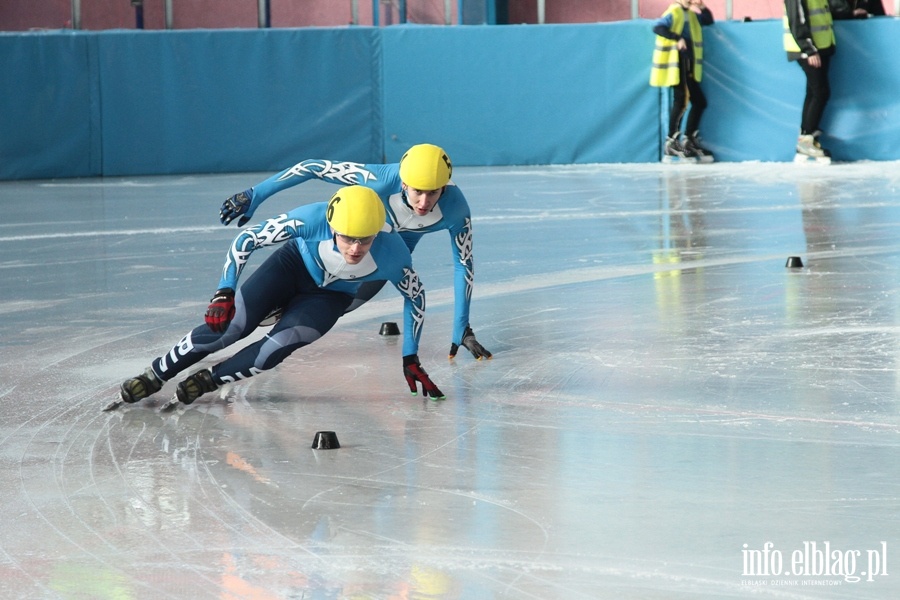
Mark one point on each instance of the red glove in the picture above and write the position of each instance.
(221, 310)
(415, 374)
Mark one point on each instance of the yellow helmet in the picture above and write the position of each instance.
(355, 211)
(425, 167)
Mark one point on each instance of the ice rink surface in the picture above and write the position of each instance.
(671, 413)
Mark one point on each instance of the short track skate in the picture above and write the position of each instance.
(806, 159)
(668, 159)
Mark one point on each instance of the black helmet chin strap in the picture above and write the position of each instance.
(403, 197)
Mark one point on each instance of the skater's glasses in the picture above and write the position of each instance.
(363, 241)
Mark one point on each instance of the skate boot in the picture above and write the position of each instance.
(692, 146)
(810, 151)
(675, 152)
(192, 388)
(137, 388)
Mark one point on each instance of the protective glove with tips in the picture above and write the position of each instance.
(235, 206)
(221, 310)
(415, 375)
(471, 344)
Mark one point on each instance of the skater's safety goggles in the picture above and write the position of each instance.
(364, 241)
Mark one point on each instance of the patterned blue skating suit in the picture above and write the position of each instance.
(451, 213)
(309, 280)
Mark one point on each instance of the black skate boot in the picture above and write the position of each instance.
(675, 152)
(137, 388)
(192, 388)
(693, 147)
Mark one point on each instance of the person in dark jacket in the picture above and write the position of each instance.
(856, 9)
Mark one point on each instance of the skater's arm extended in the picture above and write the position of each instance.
(414, 316)
(245, 203)
(463, 277)
(410, 287)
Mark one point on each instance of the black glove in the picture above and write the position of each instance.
(235, 206)
(469, 341)
(414, 374)
(221, 310)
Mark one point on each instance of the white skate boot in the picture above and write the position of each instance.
(809, 151)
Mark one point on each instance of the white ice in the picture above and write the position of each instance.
(666, 398)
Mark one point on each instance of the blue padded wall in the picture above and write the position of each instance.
(49, 106)
(110, 103)
(237, 100)
(755, 95)
(521, 94)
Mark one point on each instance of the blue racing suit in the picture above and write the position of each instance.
(451, 213)
(309, 280)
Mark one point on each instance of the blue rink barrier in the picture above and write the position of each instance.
(114, 103)
(755, 94)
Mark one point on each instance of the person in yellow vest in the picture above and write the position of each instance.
(809, 40)
(678, 63)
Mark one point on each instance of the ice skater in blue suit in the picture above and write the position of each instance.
(419, 198)
(331, 250)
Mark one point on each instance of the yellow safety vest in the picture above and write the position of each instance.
(664, 71)
(820, 25)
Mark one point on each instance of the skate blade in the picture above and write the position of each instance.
(804, 159)
(113, 405)
(171, 404)
(678, 160)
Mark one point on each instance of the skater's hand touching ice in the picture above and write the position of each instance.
(415, 374)
(471, 344)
